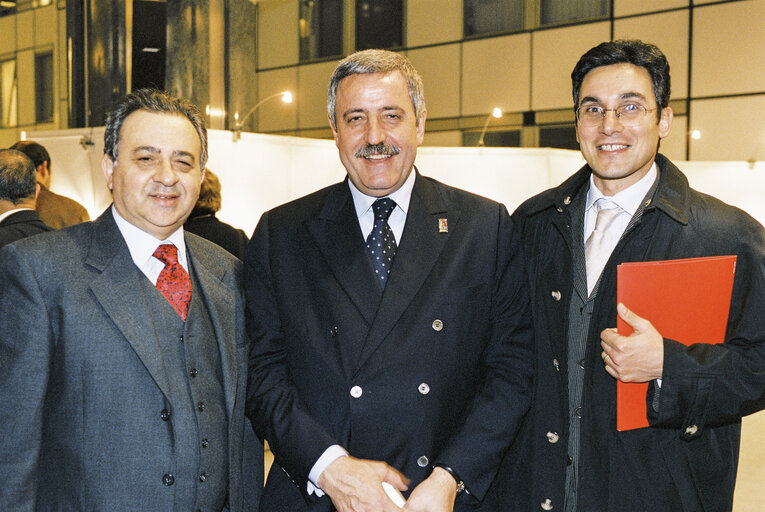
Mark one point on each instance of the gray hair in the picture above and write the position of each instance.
(153, 100)
(18, 176)
(376, 61)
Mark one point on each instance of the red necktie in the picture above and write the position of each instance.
(174, 281)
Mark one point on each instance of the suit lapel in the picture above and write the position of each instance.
(337, 233)
(420, 247)
(220, 301)
(116, 290)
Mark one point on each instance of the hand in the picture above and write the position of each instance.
(638, 357)
(435, 494)
(355, 485)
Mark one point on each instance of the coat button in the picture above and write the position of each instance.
(581, 363)
(193, 372)
(578, 412)
(569, 460)
(553, 437)
(333, 331)
(437, 325)
(556, 364)
(423, 388)
(165, 415)
(202, 477)
(356, 391)
(556, 295)
(201, 406)
(691, 430)
(546, 504)
(423, 461)
(168, 479)
(205, 443)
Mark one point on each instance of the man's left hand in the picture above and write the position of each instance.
(638, 357)
(435, 494)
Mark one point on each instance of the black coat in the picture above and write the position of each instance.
(687, 460)
(438, 367)
(20, 225)
(209, 227)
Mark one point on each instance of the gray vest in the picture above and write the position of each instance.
(196, 409)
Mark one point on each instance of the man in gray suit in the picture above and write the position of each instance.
(122, 343)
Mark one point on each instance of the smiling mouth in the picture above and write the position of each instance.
(165, 197)
(377, 156)
(612, 147)
(377, 152)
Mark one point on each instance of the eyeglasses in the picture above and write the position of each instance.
(628, 114)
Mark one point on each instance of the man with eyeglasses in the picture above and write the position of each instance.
(630, 203)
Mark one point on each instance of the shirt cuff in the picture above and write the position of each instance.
(328, 457)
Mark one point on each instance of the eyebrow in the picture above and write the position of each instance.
(155, 150)
(625, 96)
(362, 110)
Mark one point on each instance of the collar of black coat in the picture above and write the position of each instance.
(672, 194)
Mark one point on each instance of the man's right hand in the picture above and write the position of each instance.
(355, 485)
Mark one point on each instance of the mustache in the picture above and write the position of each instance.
(382, 148)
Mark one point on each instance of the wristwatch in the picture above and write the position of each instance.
(448, 469)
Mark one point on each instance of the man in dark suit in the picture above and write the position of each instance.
(630, 203)
(18, 189)
(122, 342)
(204, 223)
(406, 359)
(55, 210)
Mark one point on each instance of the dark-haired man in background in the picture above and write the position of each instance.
(18, 189)
(55, 210)
(122, 343)
(630, 203)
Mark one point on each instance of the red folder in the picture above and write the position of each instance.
(686, 300)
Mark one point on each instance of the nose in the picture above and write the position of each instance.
(375, 131)
(165, 173)
(611, 123)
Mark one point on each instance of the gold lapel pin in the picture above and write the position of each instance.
(443, 226)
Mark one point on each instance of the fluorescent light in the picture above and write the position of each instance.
(150, 50)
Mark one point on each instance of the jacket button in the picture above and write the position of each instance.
(691, 430)
(168, 479)
(202, 477)
(546, 504)
(423, 461)
(201, 406)
(567, 201)
(193, 372)
(569, 460)
(578, 412)
(356, 391)
(165, 415)
(581, 363)
(333, 331)
(556, 364)
(553, 437)
(423, 388)
(556, 295)
(437, 325)
(205, 443)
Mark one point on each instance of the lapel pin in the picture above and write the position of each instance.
(443, 226)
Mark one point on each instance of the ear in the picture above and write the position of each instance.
(333, 127)
(665, 122)
(421, 126)
(107, 167)
(37, 190)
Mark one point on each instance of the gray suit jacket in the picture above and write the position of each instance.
(82, 381)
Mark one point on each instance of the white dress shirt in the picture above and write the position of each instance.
(11, 212)
(366, 216)
(142, 246)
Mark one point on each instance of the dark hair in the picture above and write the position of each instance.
(33, 150)
(209, 195)
(152, 100)
(630, 51)
(18, 176)
(376, 61)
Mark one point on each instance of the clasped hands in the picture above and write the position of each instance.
(355, 485)
(638, 357)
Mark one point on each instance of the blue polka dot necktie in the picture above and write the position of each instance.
(173, 281)
(381, 243)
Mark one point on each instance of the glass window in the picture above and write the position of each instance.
(8, 94)
(44, 87)
(562, 137)
(564, 11)
(506, 139)
(491, 16)
(321, 28)
(379, 24)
